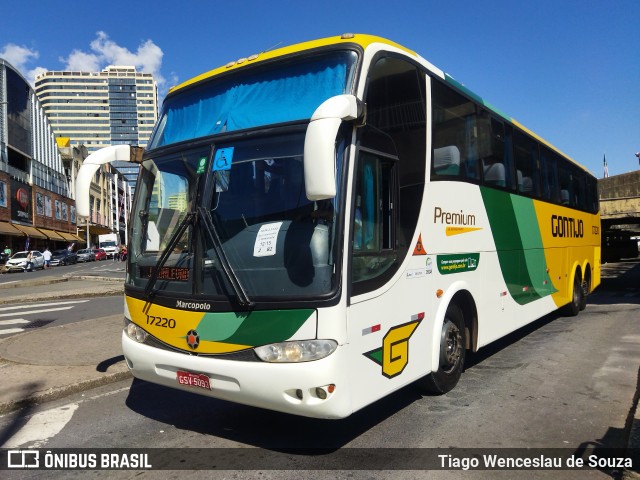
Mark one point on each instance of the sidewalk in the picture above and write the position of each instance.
(50, 363)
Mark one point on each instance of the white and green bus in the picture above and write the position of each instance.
(317, 226)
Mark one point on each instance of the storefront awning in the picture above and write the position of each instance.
(8, 229)
(67, 236)
(51, 234)
(30, 231)
(98, 229)
(79, 238)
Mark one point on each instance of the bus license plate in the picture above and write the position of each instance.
(193, 379)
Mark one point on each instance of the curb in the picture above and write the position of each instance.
(61, 392)
(94, 277)
(35, 283)
(67, 295)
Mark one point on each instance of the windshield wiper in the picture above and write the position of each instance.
(173, 241)
(207, 221)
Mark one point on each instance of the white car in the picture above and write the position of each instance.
(18, 262)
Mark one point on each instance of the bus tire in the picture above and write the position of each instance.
(573, 307)
(452, 354)
(586, 289)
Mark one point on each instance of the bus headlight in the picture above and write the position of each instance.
(296, 351)
(134, 332)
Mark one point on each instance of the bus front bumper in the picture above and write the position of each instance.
(284, 387)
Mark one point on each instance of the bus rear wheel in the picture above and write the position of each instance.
(452, 354)
(577, 297)
(586, 289)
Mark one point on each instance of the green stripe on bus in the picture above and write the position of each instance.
(533, 247)
(254, 328)
(519, 245)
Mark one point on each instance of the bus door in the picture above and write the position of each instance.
(387, 306)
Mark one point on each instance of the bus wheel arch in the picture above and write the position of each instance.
(456, 332)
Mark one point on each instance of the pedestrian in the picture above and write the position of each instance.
(7, 250)
(47, 258)
(29, 266)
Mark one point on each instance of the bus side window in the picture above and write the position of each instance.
(455, 134)
(373, 232)
(549, 167)
(566, 185)
(497, 168)
(526, 160)
(580, 189)
(592, 195)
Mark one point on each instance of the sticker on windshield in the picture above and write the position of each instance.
(266, 240)
(223, 159)
(202, 163)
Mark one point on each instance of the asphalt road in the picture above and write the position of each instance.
(566, 383)
(560, 383)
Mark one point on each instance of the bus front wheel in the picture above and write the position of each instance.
(452, 354)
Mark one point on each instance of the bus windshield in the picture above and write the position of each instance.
(253, 222)
(263, 96)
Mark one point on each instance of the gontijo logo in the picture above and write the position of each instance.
(393, 356)
(566, 227)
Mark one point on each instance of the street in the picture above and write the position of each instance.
(78, 268)
(562, 382)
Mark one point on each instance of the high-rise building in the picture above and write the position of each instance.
(117, 106)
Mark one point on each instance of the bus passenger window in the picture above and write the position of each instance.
(549, 167)
(580, 189)
(455, 134)
(526, 159)
(566, 186)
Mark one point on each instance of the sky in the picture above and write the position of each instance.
(569, 70)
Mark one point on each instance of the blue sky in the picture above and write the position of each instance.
(567, 69)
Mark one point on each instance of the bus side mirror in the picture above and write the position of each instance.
(320, 144)
(90, 166)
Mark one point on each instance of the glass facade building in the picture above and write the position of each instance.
(37, 208)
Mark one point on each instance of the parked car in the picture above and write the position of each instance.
(63, 257)
(100, 254)
(86, 255)
(18, 262)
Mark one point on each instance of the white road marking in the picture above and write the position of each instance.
(11, 330)
(41, 427)
(44, 310)
(13, 321)
(39, 305)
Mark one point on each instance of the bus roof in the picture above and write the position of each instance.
(364, 41)
(359, 39)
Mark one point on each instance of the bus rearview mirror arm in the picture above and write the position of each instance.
(91, 164)
(320, 143)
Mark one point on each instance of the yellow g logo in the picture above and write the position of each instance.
(394, 354)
